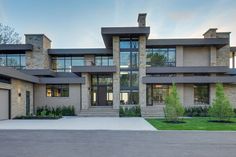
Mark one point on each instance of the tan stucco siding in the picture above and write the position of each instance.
(42, 100)
(196, 56)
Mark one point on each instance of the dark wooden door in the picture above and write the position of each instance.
(102, 96)
(27, 102)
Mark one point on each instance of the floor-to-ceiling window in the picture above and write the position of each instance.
(101, 90)
(201, 94)
(129, 62)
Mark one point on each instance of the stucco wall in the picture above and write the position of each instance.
(18, 102)
(42, 100)
(196, 56)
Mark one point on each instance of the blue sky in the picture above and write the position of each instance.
(77, 23)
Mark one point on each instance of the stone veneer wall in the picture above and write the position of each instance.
(116, 75)
(38, 58)
(230, 91)
(41, 98)
(142, 70)
(18, 103)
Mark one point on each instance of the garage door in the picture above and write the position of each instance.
(4, 104)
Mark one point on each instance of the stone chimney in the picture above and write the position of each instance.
(210, 33)
(38, 58)
(142, 19)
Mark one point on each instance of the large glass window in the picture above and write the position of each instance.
(129, 44)
(102, 83)
(64, 64)
(156, 94)
(13, 60)
(201, 94)
(129, 98)
(104, 60)
(57, 90)
(161, 57)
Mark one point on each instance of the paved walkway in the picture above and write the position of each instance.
(79, 123)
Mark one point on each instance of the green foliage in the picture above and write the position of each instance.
(130, 111)
(221, 108)
(59, 111)
(173, 109)
(196, 111)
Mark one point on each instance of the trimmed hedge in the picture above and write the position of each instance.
(197, 111)
(59, 111)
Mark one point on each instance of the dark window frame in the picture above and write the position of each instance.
(207, 102)
(61, 87)
(20, 57)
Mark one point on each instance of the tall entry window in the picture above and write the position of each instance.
(129, 75)
(102, 90)
(161, 57)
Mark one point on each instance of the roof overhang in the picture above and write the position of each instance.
(62, 80)
(190, 69)
(233, 49)
(189, 79)
(93, 69)
(12, 73)
(74, 52)
(39, 72)
(218, 42)
(108, 32)
(16, 47)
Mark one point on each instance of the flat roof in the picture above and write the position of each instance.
(16, 47)
(219, 42)
(108, 32)
(83, 51)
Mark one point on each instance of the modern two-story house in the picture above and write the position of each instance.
(131, 70)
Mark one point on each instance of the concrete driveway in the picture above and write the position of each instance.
(79, 123)
(53, 143)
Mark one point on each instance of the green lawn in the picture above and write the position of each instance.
(195, 123)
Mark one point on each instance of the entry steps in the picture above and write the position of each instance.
(99, 112)
(153, 111)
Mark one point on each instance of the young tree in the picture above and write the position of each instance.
(8, 35)
(173, 109)
(221, 107)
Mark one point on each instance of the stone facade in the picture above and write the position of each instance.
(142, 70)
(38, 58)
(116, 75)
(18, 90)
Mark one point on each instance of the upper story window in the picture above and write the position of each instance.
(161, 57)
(129, 59)
(64, 64)
(129, 44)
(13, 60)
(104, 60)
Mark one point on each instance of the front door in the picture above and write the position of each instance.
(102, 96)
(27, 102)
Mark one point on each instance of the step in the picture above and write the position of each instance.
(99, 112)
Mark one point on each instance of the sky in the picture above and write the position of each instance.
(77, 23)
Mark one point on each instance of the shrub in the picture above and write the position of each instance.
(130, 111)
(173, 109)
(221, 108)
(196, 111)
(59, 111)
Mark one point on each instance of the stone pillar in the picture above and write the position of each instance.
(116, 75)
(179, 56)
(212, 56)
(38, 58)
(180, 90)
(89, 60)
(223, 54)
(85, 89)
(142, 70)
(212, 93)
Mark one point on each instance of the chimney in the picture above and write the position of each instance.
(210, 33)
(142, 19)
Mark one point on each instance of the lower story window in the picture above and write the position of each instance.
(201, 94)
(129, 98)
(156, 94)
(57, 90)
